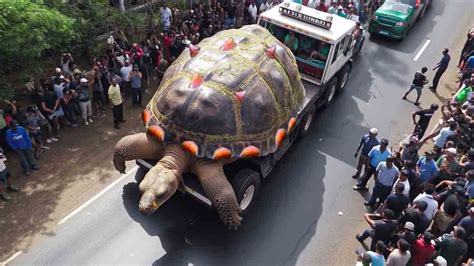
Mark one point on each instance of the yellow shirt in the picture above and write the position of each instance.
(114, 95)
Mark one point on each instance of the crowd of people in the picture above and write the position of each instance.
(422, 203)
(74, 95)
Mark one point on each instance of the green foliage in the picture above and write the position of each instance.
(7, 92)
(27, 29)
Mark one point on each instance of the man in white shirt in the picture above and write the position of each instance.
(125, 72)
(428, 198)
(443, 135)
(264, 6)
(253, 13)
(403, 179)
(166, 16)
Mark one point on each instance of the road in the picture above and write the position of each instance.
(295, 219)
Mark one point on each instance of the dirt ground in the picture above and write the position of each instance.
(71, 172)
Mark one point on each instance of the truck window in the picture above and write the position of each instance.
(347, 44)
(335, 56)
(311, 54)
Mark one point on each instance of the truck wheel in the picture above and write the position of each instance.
(246, 184)
(343, 77)
(330, 92)
(307, 122)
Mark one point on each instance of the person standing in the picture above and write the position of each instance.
(401, 255)
(441, 66)
(116, 101)
(125, 72)
(385, 175)
(417, 84)
(424, 120)
(135, 77)
(19, 141)
(376, 155)
(84, 99)
(4, 179)
(367, 142)
(166, 16)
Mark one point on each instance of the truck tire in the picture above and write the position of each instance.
(246, 183)
(330, 93)
(343, 78)
(307, 122)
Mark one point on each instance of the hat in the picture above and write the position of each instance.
(453, 151)
(429, 152)
(434, 106)
(58, 70)
(440, 261)
(373, 131)
(61, 77)
(384, 141)
(410, 226)
(414, 139)
(404, 172)
(83, 80)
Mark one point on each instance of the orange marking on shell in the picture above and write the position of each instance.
(250, 151)
(239, 95)
(191, 147)
(157, 132)
(280, 136)
(197, 81)
(146, 116)
(270, 51)
(229, 44)
(291, 124)
(222, 153)
(194, 50)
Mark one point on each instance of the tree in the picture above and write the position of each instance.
(27, 29)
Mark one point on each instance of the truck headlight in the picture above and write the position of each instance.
(376, 18)
(400, 24)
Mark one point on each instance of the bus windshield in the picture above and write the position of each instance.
(311, 54)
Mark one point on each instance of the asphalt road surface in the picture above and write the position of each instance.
(295, 219)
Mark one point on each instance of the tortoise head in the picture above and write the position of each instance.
(157, 187)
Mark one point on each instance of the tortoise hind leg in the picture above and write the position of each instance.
(138, 146)
(219, 191)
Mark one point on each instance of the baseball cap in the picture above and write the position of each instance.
(384, 141)
(441, 261)
(434, 106)
(61, 77)
(83, 80)
(373, 131)
(58, 70)
(410, 226)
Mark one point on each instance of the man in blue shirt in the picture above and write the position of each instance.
(376, 155)
(426, 167)
(19, 141)
(367, 142)
(441, 66)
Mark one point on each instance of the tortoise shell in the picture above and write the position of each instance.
(236, 95)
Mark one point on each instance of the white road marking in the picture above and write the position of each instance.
(130, 171)
(3, 263)
(427, 42)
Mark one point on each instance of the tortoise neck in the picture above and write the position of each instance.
(175, 159)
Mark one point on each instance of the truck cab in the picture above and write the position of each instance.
(323, 44)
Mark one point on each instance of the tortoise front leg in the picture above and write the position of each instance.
(138, 146)
(219, 191)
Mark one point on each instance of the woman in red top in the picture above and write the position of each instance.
(167, 41)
